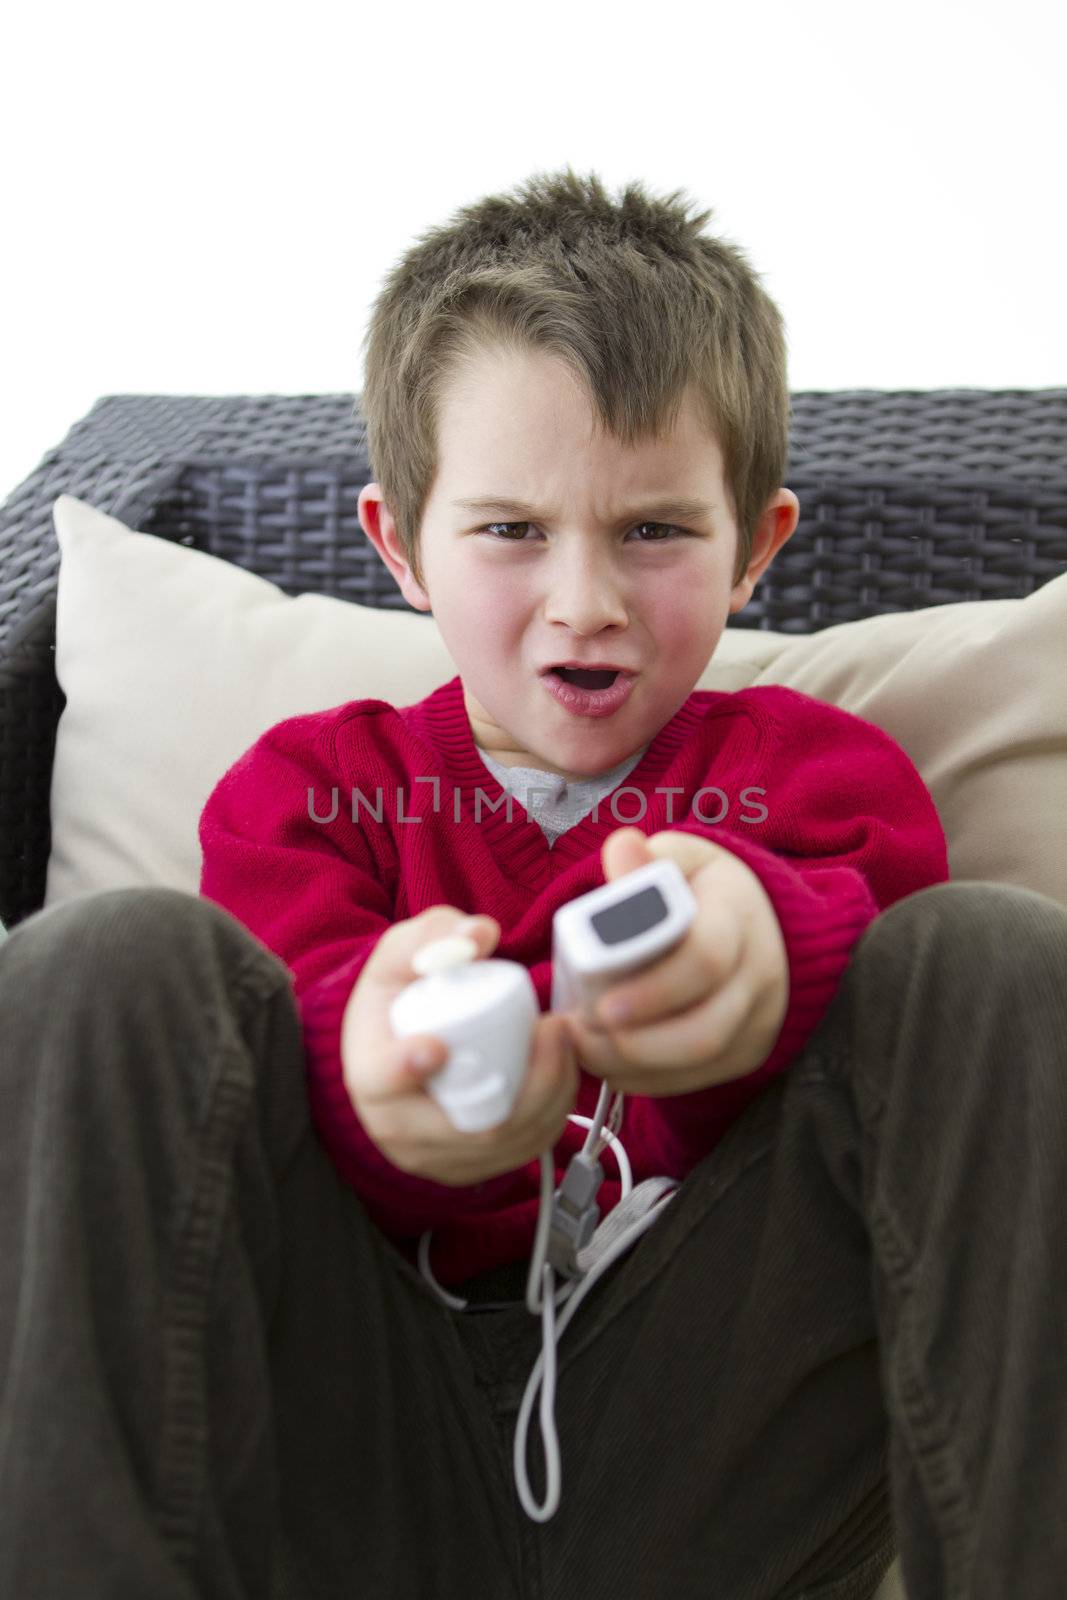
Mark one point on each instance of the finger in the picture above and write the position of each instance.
(594, 1049)
(690, 1039)
(689, 851)
(390, 967)
(402, 1094)
(568, 1082)
(403, 1067)
(700, 965)
(390, 962)
(541, 1092)
(484, 930)
(552, 1071)
(624, 851)
(538, 1114)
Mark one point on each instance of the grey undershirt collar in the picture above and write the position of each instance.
(549, 799)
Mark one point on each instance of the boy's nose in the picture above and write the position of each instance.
(586, 596)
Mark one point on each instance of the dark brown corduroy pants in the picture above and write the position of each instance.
(845, 1333)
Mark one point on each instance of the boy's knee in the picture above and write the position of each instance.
(981, 927)
(138, 925)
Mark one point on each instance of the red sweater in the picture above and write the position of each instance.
(825, 807)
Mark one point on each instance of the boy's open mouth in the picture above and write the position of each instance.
(585, 679)
(598, 691)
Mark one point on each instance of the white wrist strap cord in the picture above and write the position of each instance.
(569, 1241)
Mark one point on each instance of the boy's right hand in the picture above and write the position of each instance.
(386, 1088)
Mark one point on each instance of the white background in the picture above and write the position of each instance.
(203, 199)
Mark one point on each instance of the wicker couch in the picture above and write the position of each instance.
(908, 499)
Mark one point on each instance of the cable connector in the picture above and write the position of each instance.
(574, 1214)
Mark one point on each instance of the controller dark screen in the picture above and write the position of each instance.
(627, 918)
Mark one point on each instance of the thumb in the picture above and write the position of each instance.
(390, 966)
(624, 851)
(688, 851)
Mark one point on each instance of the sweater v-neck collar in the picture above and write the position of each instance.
(443, 722)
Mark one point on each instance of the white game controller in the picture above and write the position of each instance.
(603, 936)
(485, 1010)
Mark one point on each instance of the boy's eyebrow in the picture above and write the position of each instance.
(685, 509)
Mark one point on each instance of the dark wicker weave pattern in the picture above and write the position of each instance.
(908, 499)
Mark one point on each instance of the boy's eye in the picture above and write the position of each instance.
(666, 527)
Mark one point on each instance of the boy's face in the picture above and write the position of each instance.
(596, 571)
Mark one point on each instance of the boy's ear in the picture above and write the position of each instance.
(377, 523)
(777, 524)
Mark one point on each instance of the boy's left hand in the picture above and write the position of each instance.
(709, 1010)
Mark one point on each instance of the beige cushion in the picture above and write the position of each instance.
(173, 663)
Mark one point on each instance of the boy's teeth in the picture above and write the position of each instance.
(587, 679)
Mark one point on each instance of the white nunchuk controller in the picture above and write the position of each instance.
(485, 1010)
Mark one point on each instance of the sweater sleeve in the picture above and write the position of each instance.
(854, 829)
(314, 893)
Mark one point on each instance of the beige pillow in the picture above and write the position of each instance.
(974, 692)
(173, 663)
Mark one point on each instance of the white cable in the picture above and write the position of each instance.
(547, 1359)
(542, 1296)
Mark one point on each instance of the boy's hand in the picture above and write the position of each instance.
(387, 1089)
(711, 1009)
